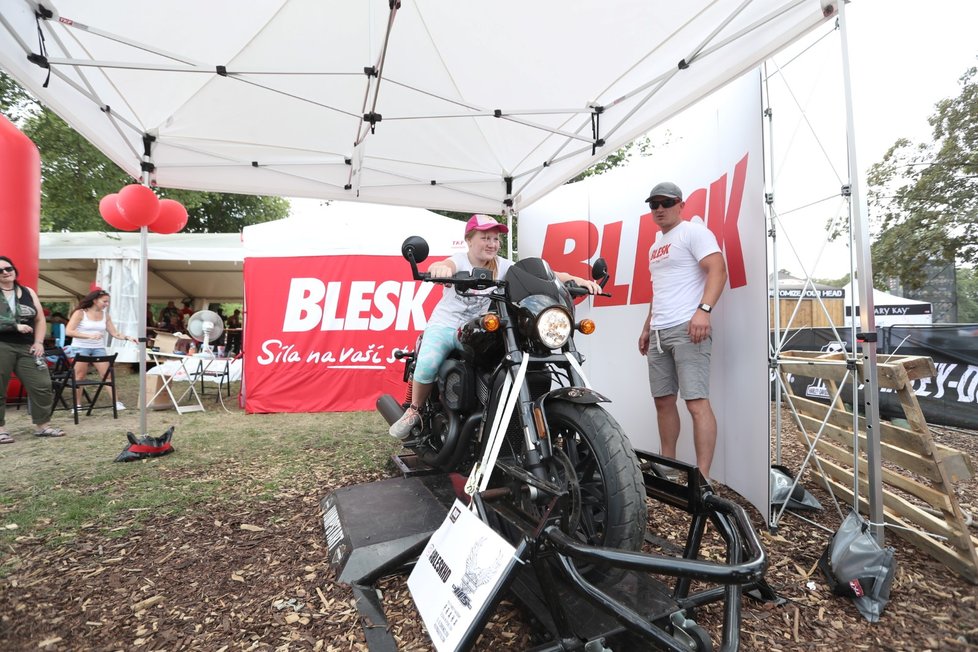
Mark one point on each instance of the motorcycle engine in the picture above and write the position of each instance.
(456, 385)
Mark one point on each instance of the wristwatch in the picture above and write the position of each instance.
(705, 307)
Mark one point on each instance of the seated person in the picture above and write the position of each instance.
(169, 311)
(186, 311)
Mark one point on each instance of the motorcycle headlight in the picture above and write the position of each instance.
(553, 327)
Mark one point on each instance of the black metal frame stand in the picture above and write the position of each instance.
(629, 609)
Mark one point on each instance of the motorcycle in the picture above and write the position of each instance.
(515, 412)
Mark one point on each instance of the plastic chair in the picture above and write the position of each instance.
(99, 382)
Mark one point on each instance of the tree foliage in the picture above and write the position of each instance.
(642, 147)
(75, 176)
(924, 196)
(967, 282)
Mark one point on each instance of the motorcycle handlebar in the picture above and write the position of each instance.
(581, 291)
(466, 281)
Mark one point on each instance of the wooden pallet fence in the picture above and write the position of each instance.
(918, 474)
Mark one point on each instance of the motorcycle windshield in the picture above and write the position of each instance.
(531, 276)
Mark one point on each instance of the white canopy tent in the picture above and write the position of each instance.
(204, 266)
(459, 106)
(347, 228)
(892, 310)
(462, 106)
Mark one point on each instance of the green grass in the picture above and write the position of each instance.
(52, 488)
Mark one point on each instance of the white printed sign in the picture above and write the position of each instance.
(459, 570)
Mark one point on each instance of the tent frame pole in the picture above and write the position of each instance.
(867, 319)
(143, 298)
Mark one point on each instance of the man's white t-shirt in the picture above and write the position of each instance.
(454, 310)
(678, 280)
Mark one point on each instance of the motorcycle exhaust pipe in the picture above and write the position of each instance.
(389, 408)
(455, 447)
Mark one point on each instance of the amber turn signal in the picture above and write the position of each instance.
(586, 326)
(490, 322)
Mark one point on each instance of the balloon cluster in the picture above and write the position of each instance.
(136, 205)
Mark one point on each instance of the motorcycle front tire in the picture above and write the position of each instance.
(614, 511)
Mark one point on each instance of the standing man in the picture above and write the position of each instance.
(688, 275)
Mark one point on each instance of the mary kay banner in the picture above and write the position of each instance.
(322, 330)
(950, 398)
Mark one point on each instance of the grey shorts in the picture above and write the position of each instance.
(682, 367)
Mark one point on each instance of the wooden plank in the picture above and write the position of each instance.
(915, 366)
(956, 533)
(826, 370)
(911, 408)
(964, 564)
(939, 500)
(890, 434)
(922, 466)
(958, 466)
(894, 375)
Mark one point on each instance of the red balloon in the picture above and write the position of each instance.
(172, 217)
(109, 210)
(138, 204)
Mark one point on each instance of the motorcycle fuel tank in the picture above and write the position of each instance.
(478, 341)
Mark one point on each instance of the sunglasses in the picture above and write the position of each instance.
(6, 270)
(664, 203)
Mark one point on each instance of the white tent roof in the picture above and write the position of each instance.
(455, 105)
(361, 229)
(209, 265)
(881, 298)
(202, 265)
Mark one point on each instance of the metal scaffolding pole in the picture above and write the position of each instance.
(867, 319)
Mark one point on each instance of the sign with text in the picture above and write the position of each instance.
(715, 155)
(457, 574)
(322, 330)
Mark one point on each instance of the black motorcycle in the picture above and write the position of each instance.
(515, 413)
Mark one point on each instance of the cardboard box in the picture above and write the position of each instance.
(154, 383)
(169, 342)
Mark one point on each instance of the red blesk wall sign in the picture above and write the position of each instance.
(322, 330)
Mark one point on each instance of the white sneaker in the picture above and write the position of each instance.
(402, 427)
(119, 406)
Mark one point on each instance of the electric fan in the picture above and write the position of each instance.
(204, 326)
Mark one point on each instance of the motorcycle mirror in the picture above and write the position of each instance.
(415, 250)
(599, 272)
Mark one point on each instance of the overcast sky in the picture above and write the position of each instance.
(904, 58)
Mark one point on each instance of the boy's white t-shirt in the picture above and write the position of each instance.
(453, 309)
(678, 280)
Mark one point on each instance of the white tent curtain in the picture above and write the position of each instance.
(120, 278)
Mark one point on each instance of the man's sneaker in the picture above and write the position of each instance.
(403, 426)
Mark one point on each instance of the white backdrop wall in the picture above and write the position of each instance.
(715, 154)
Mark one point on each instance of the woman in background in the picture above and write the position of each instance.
(22, 329)
(87, 327)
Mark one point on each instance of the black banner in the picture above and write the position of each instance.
(950, 398)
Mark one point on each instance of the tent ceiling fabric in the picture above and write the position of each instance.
(475, 105)
(200, 265)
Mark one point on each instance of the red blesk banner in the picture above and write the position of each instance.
(322, 330)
